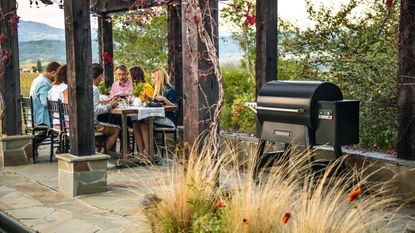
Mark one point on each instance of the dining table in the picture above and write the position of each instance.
(142, 113)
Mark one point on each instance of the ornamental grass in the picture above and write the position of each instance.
(223, 194)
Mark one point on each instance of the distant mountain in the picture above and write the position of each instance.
(31, 31)
(47, 50)
(38, 41)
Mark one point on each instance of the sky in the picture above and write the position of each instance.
(292, 10)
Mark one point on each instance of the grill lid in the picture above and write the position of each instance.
(294, 102)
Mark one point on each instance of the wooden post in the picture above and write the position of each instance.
(266, 42)
(200, 89)
(9, 69)
(79, 59)
(406, 82)
(175, 60)
(106, 46)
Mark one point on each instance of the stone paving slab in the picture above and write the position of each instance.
(28, 193)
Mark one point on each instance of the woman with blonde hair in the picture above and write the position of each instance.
(164, 93)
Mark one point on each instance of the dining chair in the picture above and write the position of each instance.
(41, 133)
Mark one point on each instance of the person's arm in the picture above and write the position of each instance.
(65, 96)
(42, 94)
(99, 108)
(171, 98)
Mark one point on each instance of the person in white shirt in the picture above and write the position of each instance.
(59, 91)
(111, 132)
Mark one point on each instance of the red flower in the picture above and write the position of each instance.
(5, 55)
(2, 37)
(389, 3)
(14, 20)
(250, 20)
(196, 19)
(107, 57)
(220, 204)
(353, 195)
(285, 218)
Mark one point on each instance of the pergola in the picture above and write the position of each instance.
(181, 49)
(78, 46)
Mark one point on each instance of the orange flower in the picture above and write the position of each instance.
(285, 218)
(353, 195)
(220, 204)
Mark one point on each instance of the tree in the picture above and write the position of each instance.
(141, 44)
(240, 14)
(39, 66)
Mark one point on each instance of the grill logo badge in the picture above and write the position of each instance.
(281, 133)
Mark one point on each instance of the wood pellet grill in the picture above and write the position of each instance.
(305, 113)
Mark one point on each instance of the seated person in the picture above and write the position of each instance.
(39, 93)
(165, 93)
(111, 132)
(124, 86)
(140, 128)
(121, 88)
(59, 91)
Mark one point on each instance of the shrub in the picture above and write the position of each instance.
(239, 89)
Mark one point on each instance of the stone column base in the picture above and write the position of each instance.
(15, 150)
(78, 175)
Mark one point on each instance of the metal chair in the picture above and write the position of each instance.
(63, 129)
(40, 132)
(57, 130)
(162, 144)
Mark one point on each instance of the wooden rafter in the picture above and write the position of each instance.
(111, 6)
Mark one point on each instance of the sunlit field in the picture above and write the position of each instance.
(26, 79)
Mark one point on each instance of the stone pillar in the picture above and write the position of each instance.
(80, 175)
(15, 150)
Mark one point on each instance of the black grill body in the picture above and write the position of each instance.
(306, 113)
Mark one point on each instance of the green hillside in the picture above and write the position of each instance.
(47, 50)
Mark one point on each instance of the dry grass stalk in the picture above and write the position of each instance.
(289, 198)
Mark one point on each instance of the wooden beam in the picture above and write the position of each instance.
(79, 60)
(266, 42)
(9, 69)
(175, 60)
(200, 89)
(106, 46)
(406, 87)
(111, 6)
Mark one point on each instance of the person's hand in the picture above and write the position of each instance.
(161, 98)
(121, 93)
(113, 103)
(147, 98)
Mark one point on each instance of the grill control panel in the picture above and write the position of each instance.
(326, 114)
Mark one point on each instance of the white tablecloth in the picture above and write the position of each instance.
(144, 112)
